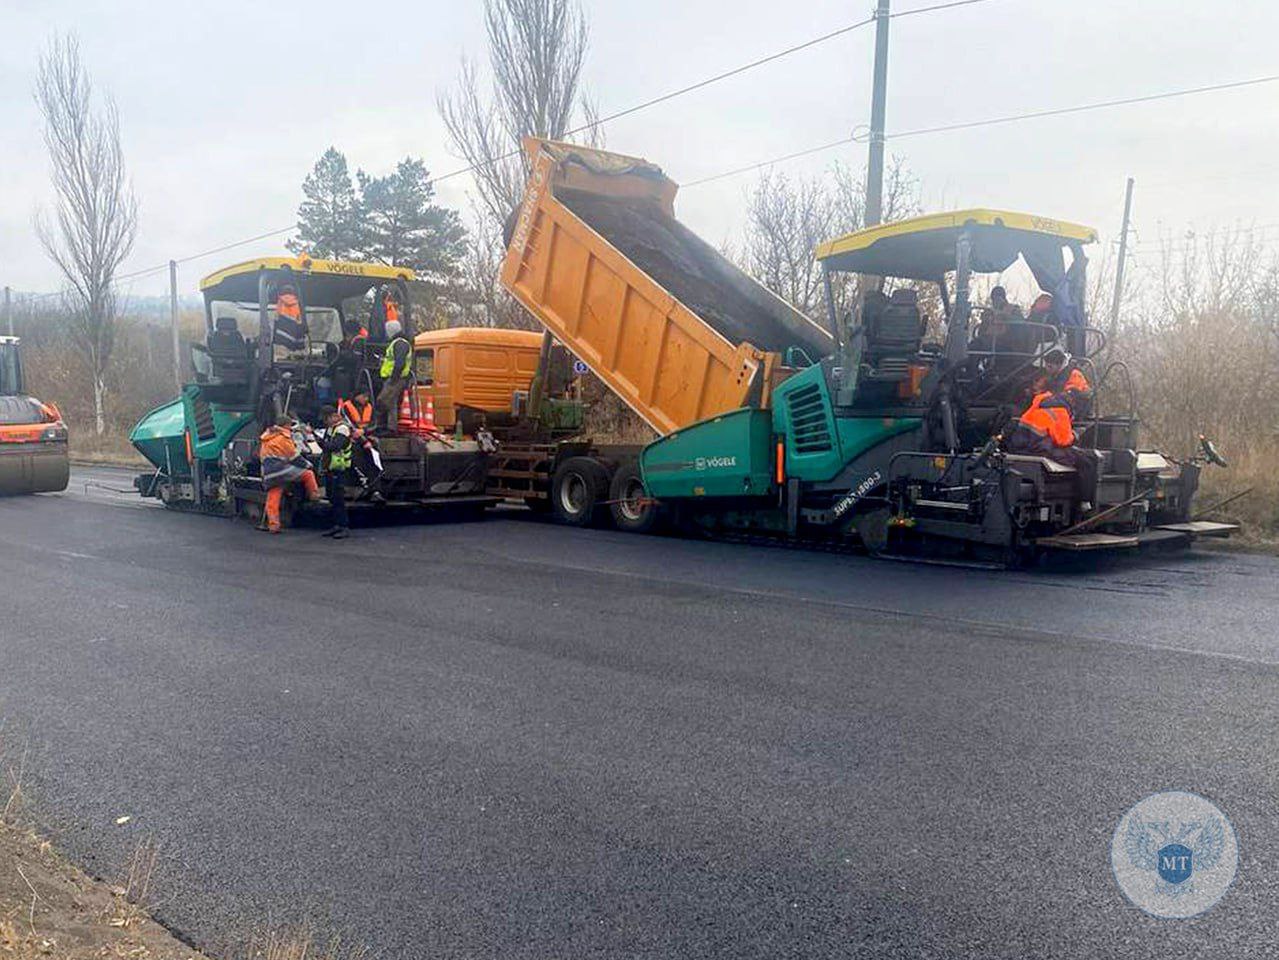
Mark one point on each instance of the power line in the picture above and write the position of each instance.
(206, 253)
(628, 111)
(1057, 111)
(849, 28)
(767, 163)
(701, 84)
(1099, 105)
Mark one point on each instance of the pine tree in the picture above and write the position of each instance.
(329, 217)
(401, 225)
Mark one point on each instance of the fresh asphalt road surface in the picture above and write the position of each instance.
(511, 739)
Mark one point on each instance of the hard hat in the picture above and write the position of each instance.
(393, 328)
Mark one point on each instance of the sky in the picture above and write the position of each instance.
(225, 107)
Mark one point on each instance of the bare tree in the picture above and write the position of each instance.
(536, 52)
(96, 217)
(1201, 347)
(480, 297)
(788, 217)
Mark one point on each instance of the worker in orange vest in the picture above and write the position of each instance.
(390, 308)
(290, 330)
(1063, 378)
(1047, 429)
(1044, 428)
(282, 466)
(358, 412)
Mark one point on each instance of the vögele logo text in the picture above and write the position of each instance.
(711, 463)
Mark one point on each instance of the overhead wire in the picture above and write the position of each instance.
(856, 137)
(1081, 108)
(609, 118)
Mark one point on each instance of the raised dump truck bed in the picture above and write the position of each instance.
(673, 327)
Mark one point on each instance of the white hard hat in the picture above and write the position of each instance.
(393, 328)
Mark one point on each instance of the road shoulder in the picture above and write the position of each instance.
(51, 908)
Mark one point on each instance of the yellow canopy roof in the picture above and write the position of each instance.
(924, 247)
(309, 265)
(322, 283)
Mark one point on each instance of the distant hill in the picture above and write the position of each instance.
(157, 307)
(152, 309)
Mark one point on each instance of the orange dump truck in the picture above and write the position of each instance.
(671, 326)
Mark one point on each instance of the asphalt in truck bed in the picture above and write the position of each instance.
(507, 738)
(687, 267)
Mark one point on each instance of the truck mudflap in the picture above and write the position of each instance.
(35, 467)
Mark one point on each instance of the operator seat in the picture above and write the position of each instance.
(226, 340)
(228, 351)
(894, 333)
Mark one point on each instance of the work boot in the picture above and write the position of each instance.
(331, 532)
(341, 533)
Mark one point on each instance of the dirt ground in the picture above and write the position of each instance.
(49, 908)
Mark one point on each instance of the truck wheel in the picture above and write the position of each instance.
(632, 510)
(578, 488)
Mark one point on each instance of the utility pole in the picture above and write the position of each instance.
(879, 91)
(874, 202)
(8, 309)
(1119, 267)
(173, 320)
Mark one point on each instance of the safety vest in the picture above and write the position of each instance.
(358, 415)
(392, 311)
(1052, 421)
(277, 442)
(388, 370)
(1070, 380)
(341, 459)
(290, 331)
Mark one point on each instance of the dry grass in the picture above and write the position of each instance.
(141, 870)
(113, 447)
(13, 779)
(300, 943)
(1255, 466)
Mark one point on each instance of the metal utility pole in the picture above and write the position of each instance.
(173, 320)
(874, 206)
(8, 309)
(879, 91)
(1119, 267)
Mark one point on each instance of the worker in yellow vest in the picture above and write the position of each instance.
(397, 362)
(338, 449)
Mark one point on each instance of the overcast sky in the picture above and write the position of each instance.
(224, 107)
